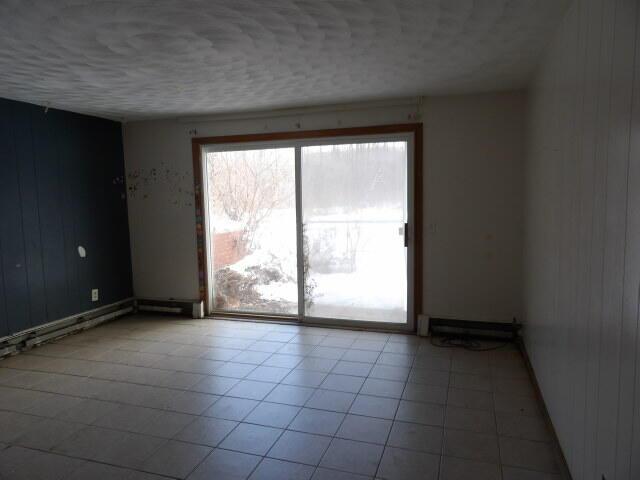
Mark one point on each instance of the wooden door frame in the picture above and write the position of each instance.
(197, 144)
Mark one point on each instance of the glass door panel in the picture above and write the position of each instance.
(252, 230)
(354, 211)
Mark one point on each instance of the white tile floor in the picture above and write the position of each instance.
(159, 397)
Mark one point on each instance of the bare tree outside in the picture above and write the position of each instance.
(247, 188)
(251, 203)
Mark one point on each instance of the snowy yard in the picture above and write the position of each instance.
(357, 268)
(353, 212)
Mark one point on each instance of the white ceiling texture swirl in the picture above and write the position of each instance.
(160, 58)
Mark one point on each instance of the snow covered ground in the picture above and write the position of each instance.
(357, 263)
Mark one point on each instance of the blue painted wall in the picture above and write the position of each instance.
(61, 186)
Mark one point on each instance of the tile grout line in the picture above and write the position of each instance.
(339, 426)
(495, 420)
(84, 459)
(444, 420)
(405, 384)
(384, 448)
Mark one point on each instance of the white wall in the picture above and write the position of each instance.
(472, 190)
(474, 151)
(582, 237)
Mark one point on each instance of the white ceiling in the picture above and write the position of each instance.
(159, 58)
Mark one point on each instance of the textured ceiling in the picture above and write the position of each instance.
(158, 58)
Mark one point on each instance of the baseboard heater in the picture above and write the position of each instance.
(473, 328)
(189, 308)
(34, 336)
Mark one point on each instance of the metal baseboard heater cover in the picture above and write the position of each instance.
(189, 308)
(473, 328)
(65, 326)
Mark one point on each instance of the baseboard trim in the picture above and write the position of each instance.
(474, 328)
(532, 374)
(185, 307)
(31, 337)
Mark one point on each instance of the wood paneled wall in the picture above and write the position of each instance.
(61, 186)
(582, 239)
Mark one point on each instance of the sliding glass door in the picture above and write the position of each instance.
(315, 230)
(354, 210)
(252, 230)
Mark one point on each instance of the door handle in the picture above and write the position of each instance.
(406, 234)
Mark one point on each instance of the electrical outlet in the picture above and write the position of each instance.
(94, 295)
